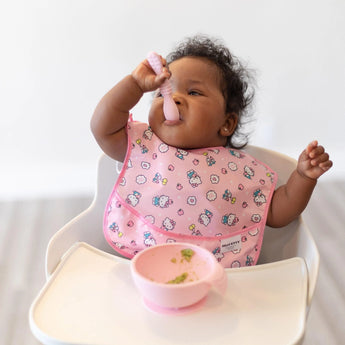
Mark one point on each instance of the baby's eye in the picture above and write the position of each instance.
(194, 93)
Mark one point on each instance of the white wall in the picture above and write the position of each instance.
(59, 57)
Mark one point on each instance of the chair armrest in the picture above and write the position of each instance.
(307, 249)
(86, 227)
(293, 240)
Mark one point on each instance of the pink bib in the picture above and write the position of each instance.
(217, 198)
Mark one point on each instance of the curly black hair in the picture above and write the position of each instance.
(236, 80)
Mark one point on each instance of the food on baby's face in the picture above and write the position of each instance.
(179, 279)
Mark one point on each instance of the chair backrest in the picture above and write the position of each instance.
(279, 244)
(294, 239)
(276, 241)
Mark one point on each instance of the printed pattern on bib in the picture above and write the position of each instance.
(214, 197)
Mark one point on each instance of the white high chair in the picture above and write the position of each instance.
(89, 296)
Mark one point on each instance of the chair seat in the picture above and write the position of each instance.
(91, 299)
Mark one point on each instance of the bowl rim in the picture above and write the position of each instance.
(174, 286)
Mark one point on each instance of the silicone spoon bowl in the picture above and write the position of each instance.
(157, 272)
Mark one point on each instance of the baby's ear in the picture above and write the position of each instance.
(230, 125)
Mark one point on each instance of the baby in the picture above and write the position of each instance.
(186, 180)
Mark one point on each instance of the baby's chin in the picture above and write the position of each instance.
(173, 141)
(172, 122)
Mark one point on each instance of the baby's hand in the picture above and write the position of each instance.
(313, 161)
(147, 79)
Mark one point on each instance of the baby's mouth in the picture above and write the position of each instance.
(174, 122)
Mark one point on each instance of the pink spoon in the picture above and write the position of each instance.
(170, 110)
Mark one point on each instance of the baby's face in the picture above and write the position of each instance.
(197, 93)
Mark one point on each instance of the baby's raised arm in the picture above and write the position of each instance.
(290, 200)
(108, 123)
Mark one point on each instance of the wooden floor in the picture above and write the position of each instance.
(26, 226)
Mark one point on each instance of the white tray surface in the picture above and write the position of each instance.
(91, 299)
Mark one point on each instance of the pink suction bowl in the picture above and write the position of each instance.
(154, 267)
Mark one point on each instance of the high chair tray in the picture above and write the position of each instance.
(91, 299)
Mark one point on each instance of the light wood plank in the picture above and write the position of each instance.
(26, 227)
(326, 219)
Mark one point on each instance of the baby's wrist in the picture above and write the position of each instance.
(302, 175)
(136, 83)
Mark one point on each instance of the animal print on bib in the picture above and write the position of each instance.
(214, 197)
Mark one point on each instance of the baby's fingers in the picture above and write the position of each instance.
(326, 165)
(165, 74)
(314, 161)
(315, 151)
(311, 146)
(320, 158)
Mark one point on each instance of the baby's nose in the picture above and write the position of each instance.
(177, 98)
